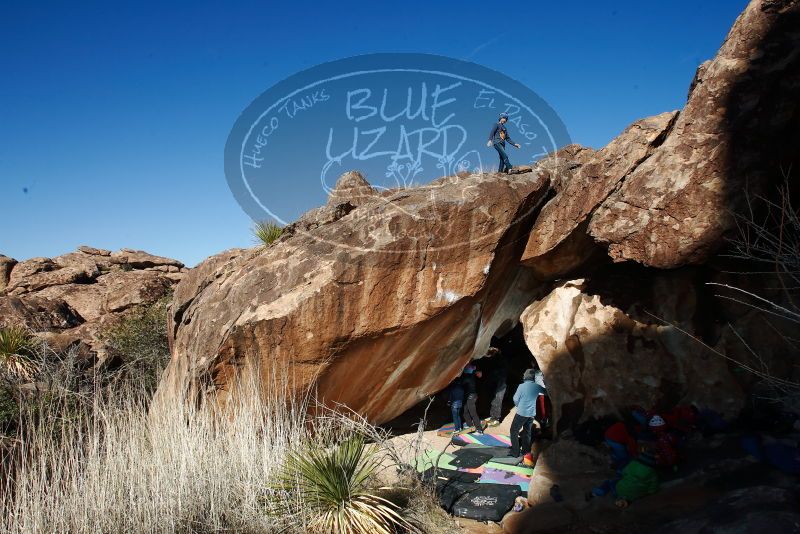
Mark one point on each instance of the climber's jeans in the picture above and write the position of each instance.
(471, 412)
(501, 151)
(496, 411)
(455, 409)
(525, 425)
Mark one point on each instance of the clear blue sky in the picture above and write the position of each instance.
(114, 116)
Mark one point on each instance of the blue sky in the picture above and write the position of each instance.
(114, 116)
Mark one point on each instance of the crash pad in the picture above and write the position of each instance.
(501, 476)
(433, 458)
(490, 440)
(486, 502)
(496, 452)
(439, 476)
(470, 458)
(446, 430)
(507, 460)
(519, 469)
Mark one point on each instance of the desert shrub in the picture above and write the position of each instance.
(139, 342)
(17, 351)
(330, 488)
(265, 232)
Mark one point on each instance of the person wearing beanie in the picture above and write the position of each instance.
(498, 139)
(525, 400)
(664, 441)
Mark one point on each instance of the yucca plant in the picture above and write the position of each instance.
(17, 349)
(266, 232)
(330, 487)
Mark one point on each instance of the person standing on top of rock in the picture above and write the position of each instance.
(498, 139)
(525, 400)
(494, 367)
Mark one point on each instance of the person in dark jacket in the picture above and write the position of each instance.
(498, 139)
(470, 384)
(494, 368)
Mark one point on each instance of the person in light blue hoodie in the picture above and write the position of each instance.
(525, 400)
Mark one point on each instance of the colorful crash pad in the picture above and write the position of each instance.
(490, 440)
(519, 469)
(501, 476)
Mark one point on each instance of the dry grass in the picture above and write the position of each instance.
(118, 468)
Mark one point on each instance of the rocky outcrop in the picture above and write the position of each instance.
(675, 207)
(559, 241)
(375, 309)
(353, 188)
(6, 264)
(623, 339)
(70, 299)
(662, 193)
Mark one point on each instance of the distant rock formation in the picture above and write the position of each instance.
(68, 300)
(378, 299)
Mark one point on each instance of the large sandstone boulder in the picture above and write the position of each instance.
(377, 299)
(559, 242)
(663, 192)
(737, 131)
(375, 309)
(624, 339)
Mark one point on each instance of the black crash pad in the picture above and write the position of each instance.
(486, 502)
(470, 458)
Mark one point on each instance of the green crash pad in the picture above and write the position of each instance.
(430, 457)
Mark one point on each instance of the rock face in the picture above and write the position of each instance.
(587, 179)
(378, 298)
(675, 207)
(6, 264)
(623, 339)
(375, 309)
(662, 193)
(69, 299)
